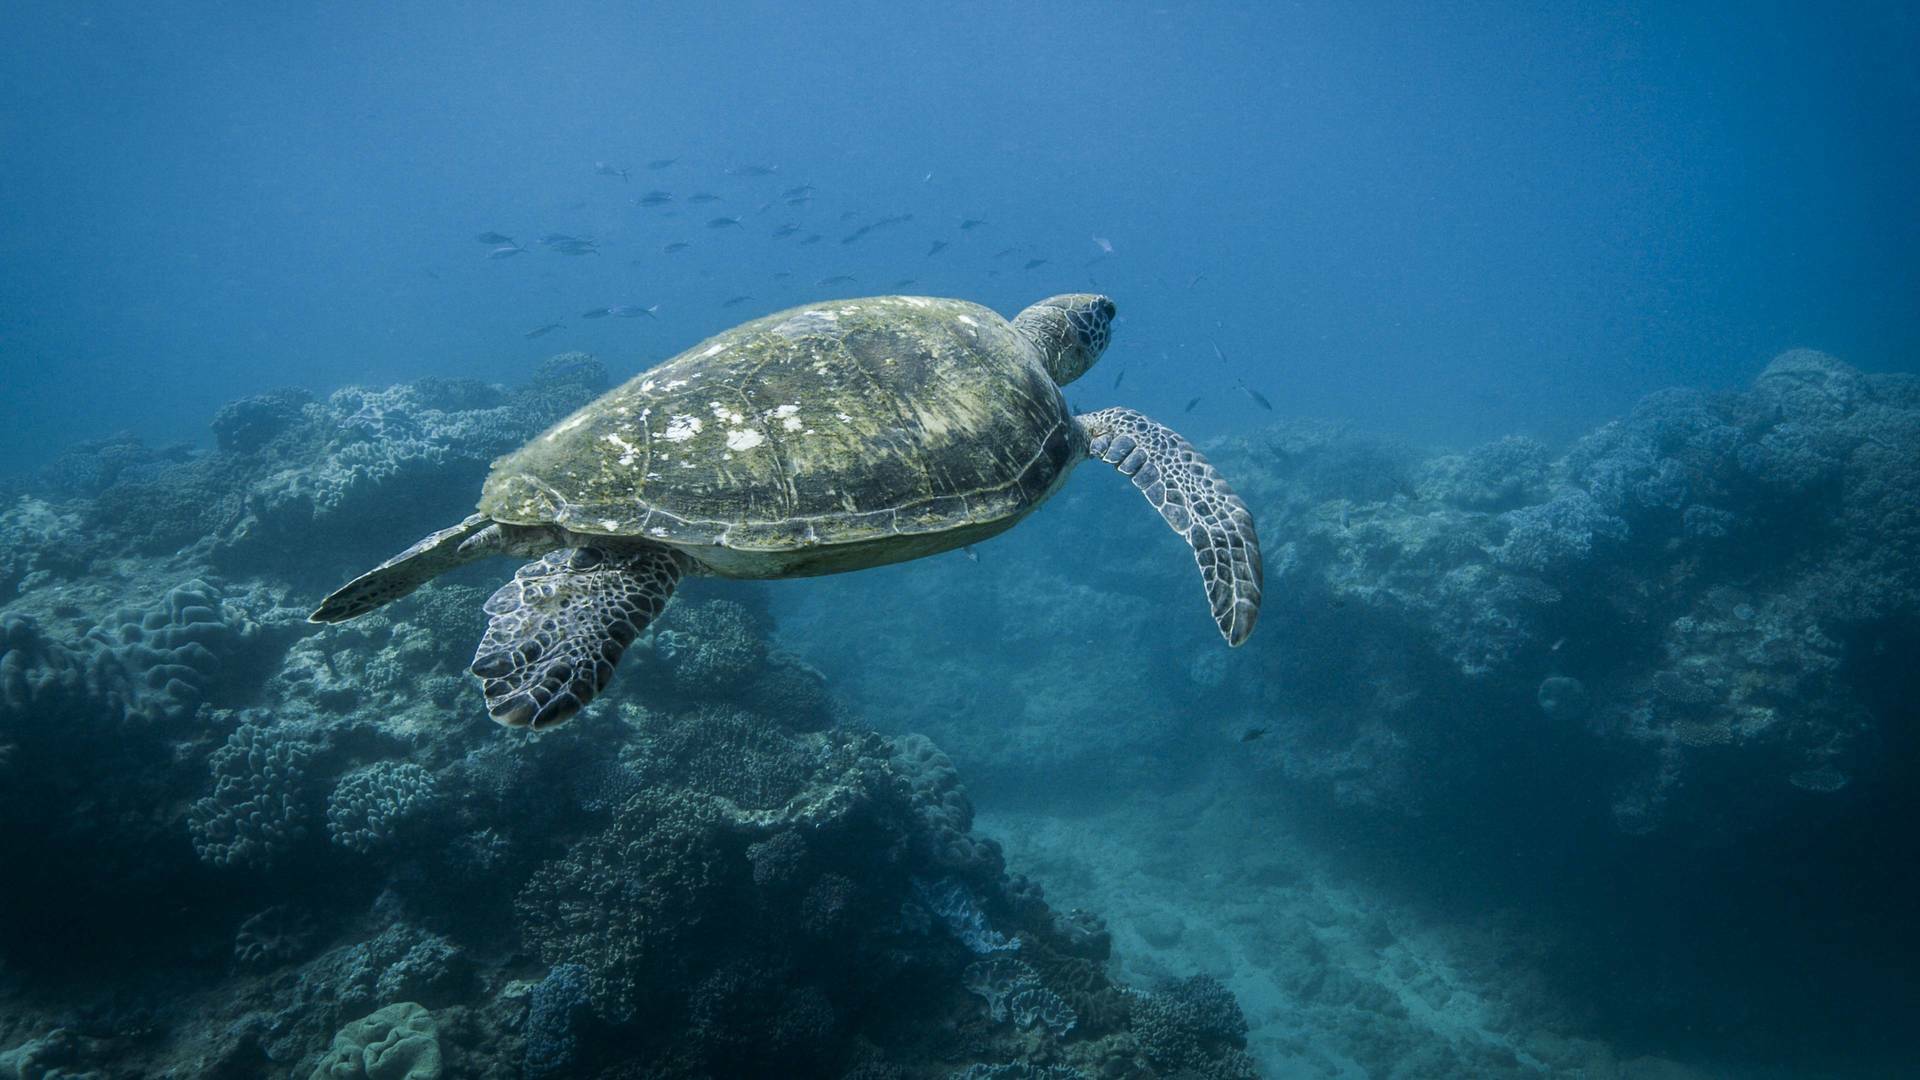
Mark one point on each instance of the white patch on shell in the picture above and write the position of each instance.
(786, 415)
(658, 530)
(647, 387)
(627, 449)
(843, 418)
(916, 301)
(681, 427)
(724, 414)
(744, 439)
(609, 524)
(968, 319)
(714, 349)
(674, 384)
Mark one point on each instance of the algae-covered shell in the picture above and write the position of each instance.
(821, 438)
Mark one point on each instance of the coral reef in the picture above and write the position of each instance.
(399, 1042)
(370, 807)
(1688, 626)
(256, 811)
(1672, 587)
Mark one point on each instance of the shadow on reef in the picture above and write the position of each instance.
(241, 845)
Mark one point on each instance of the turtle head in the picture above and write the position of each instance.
(1071, 332)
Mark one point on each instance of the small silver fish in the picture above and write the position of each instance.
(601, 168)
(722, 222)
(633, 311)
(937, 248)
(506, 251)
(677, 245)
(542, 331)
(491, 237)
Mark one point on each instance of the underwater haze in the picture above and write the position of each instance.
(1491, 218)
(1565, 356)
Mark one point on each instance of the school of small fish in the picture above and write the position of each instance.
(661, 206)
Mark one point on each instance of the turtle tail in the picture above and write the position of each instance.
(475, 538)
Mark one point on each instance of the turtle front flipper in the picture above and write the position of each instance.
(1196, 501)
(559, 627)
(475, 538)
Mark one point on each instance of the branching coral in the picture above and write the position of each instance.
(256, 811)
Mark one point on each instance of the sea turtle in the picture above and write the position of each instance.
(830, 437)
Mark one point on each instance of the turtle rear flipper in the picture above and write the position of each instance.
(475, 538)
(562, 623)
(1196, 501)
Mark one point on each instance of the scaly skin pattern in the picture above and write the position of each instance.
(1195, 501)
(824, 438)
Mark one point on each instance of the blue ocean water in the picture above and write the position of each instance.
(1566, 356)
